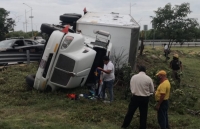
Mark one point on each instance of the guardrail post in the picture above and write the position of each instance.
(28, 56)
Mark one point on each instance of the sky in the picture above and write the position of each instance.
(48, 11)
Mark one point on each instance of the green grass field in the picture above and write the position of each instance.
(24, 108)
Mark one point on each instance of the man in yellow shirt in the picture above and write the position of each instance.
(162, 95)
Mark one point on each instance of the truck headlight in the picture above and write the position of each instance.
(67, 42)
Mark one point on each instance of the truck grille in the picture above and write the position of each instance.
(63, 66)
(60, 77)
(65, 63)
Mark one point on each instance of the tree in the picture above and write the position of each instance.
(6, 24)
(17, 34)
(23, 34)
(174, 23)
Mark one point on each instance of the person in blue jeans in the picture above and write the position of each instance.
(161, 96)
(108, 77)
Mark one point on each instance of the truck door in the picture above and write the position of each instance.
(98, 62)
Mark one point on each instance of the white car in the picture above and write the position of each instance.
(39, 39)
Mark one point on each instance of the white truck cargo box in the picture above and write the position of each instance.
(123, 29)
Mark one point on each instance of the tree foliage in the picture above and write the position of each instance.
(18, 34)
(6, 24)
(22, 34)
(174, 24)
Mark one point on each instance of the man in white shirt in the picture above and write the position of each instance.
(166, 51)
(141, 87)
(108, 77)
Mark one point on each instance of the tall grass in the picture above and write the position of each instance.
(23, 107)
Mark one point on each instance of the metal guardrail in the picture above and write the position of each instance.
(166, 40)
(7, 57)
(188, 44)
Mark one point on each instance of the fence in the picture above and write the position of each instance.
(8, 57)
(185, 44)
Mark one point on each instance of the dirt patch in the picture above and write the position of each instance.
(177, 52)
(145, 60)
(193, 53)
(2, 81)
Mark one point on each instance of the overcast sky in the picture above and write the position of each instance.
(48, 11)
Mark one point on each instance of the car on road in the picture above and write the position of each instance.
(20, 45)
(13, 50)
(39, 39)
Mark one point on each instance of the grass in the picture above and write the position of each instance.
(24, 108)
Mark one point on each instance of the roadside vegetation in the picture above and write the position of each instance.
(24, 107)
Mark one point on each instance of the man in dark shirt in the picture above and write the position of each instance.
(176, 66)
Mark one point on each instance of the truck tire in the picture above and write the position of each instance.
(66, 23)
(30, 80)
(73, 14)
(48, 28)
(68, 18)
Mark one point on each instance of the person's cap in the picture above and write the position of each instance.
(161, 72)
(175, 55)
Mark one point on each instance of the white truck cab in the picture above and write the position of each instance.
(69, 59)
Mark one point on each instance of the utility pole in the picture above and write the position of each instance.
(153, 36)
(25, 21)
(131, 5)
(30, 17)
(23, 26)
(16, 19)
(153, 26)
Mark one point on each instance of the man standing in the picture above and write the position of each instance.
(162, 96)
(84, 10)
(141, 87)
(108, 77)
(176, 66)
(166, 51)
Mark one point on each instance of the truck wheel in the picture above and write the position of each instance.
(66, 23)
(68, 18)
(48, 29)
(30, 80)
(73, 14)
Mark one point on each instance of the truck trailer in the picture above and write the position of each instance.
(123, 29)
(71, 58)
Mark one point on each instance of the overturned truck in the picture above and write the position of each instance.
(69, 59)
